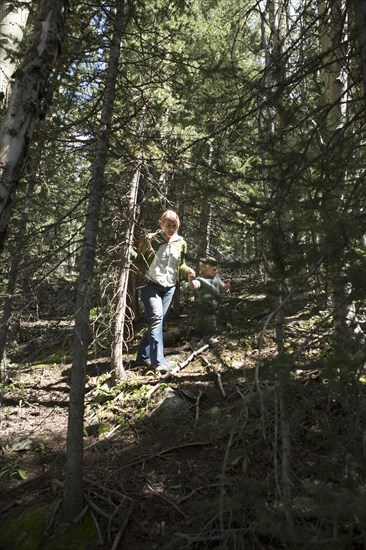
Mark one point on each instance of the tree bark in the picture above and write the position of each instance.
(13, 275)
(332, 33)
(13, 20)
(205, 225)
(276, 179)
(333, 37)
(28, 98)
(73, 498)
(204, 244)
(359, 8)
(120, 313)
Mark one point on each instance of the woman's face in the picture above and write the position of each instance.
(169, 227)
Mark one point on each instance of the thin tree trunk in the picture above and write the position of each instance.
(204, 244)
(205, 225)
(275, 179)
(73, 498)
(120, 314)
(13, 274)
(286, 461)
(359, 7)
(28, 98)
(333, 37)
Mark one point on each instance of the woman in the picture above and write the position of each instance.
(163, 254)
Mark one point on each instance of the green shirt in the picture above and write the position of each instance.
(208, 294)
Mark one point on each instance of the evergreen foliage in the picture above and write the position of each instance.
(225, 106)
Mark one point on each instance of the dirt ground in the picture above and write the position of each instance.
(144, 479)
(261, 462)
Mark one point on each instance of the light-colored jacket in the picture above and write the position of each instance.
(159, 261)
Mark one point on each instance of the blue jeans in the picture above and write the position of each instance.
(156, 300)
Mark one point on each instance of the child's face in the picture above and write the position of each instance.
(209, 270)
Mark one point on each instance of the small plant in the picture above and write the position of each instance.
(11, 468)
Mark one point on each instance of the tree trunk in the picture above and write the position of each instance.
(333, 37)
(332, 33)
(73, 498)
(359, 7)
(276, 178)
(13, 274)
(204, 243)
(28, 98)
(286, 459)
(120, 314)
(13, 20)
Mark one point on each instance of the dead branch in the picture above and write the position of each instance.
(123, 527)
(181, 366)
(166, 500)
(216, 373)
(196, 490)
(197, 407)
(105, 436)
(97, 526)
(167, 450)
(177, 369)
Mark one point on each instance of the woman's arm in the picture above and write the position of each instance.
(184, 269)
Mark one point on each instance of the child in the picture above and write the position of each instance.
(208, 287)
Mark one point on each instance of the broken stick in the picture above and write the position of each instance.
(177, 369)
(216, 373)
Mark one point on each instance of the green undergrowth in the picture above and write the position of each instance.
(288, 445)
(110, 404)
(32, 531)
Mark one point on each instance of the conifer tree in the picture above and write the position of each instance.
(73, 498)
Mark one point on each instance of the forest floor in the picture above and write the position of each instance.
(269, 457)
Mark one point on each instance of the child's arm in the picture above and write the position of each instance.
(193, 283)
(224, 287)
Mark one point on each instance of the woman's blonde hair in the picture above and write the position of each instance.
(170, 215)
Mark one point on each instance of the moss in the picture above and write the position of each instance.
(82, 536)
(27, 531)
(99, 429)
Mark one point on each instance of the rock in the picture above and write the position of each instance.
(170, 410)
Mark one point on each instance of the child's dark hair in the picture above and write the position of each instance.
(208, 261)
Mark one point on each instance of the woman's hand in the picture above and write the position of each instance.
(191, 274)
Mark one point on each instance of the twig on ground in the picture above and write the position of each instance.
(96, 508)
(100, 488)
(166, 500)
(181, 366)
(51, 519)
(97, 526)
(197, 408)
(177, 369)
(105, 436)
(120, 533)
(82, 514)
(196, 490)
(216, 373)
(111, 519)
(167, 450)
